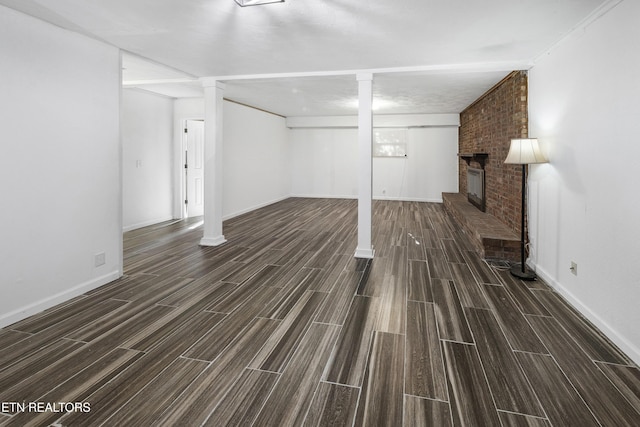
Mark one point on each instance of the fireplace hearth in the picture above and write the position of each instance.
(490, 238)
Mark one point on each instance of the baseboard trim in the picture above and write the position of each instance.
(325, 196)
(147, 223)
(213, 241)
(627, 347)
(409, 199)
(355, 197)
(53, 300)
(253, 208)
(365, 253)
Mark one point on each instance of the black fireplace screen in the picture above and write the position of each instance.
(475, 188)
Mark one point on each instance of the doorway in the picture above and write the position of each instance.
(193, 168)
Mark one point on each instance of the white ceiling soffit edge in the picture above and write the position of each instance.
(424, 69)
(138, 70)
(384, 120)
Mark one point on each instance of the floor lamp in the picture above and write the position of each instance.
(524, 152)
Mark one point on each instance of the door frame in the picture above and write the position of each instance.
(178, 165)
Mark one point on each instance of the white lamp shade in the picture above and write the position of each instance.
(524, 152)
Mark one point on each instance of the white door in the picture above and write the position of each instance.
(194, 168)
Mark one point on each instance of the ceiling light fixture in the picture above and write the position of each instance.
(244, 3)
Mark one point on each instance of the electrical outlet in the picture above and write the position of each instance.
(100, 259)
(574, 268)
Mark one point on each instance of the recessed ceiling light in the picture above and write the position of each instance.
(376, 104)
(244, 3)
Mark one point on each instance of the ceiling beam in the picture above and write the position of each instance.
(420, 69)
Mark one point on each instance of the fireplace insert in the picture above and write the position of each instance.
(475, 188)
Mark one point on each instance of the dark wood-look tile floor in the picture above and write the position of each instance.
(282, 326)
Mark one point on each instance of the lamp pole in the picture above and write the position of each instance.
(522, 208)
(524, 152)
(521, 270)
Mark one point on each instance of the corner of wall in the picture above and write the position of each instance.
(625, 345)
(53, 300)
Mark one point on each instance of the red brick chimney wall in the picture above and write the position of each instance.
(487, 126)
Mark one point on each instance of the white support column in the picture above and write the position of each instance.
(365, 164)
(213, 100)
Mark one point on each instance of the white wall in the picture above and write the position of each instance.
(147, 156)
(256, 154)
(324, 164)
(59, 165)
(584, 205)
(256, 159)
(430, 168)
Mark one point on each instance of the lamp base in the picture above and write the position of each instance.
(527, 274)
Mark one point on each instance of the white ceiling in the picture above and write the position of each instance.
(299, 58)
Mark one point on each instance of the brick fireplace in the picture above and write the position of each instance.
(487, 127)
